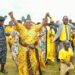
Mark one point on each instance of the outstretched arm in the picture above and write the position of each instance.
(51, 19)
(13, 19)
(44, 22)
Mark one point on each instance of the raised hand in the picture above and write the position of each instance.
(47, 14)
(11, 14)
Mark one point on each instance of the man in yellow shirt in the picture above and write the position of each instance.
(66, 59)
(64, 31)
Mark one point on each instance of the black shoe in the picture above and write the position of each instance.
(4, 71)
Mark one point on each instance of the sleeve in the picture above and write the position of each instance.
(58, 33)
(38, 27)
(19, 27)
(72, 27)
(71, 52)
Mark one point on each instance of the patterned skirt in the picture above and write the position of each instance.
(3, 53)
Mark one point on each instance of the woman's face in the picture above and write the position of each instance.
(28, 24)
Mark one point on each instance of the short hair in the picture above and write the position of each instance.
(2, 19)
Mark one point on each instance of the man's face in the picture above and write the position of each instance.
(1, 23)
(66, 45)
(65, 20)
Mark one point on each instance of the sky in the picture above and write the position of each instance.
(38, 8)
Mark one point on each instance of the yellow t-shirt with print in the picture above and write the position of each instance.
(65, 55)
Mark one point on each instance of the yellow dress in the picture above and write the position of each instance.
(9, 29)
(28, 37)
(50, 44)
(10, 41)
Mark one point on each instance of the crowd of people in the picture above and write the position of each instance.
(33, 45)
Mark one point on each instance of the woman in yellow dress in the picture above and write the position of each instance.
(8, 30)
(29, 36)
(50, 43)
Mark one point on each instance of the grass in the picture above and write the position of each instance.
(51, 68)
(10, 66)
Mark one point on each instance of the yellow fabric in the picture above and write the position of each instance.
(9, 29)
(50, 44)
(38, 27)
(65, 55)
(28, 37)
(73, 37)
(11, 39)
(63, 36)
(51, 20)
(14, 27)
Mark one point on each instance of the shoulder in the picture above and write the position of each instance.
(62, 50)
(70, 25)
(70, 50)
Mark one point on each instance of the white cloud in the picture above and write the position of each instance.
(38, 8)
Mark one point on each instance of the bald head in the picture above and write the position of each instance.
(66, 44)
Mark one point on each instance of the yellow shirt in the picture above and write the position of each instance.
(63, 36)
(9, 29)
(65, 55)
